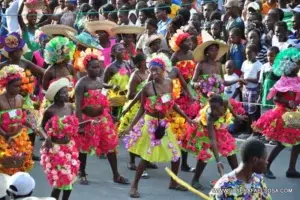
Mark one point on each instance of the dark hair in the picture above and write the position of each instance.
(14, 80)
(297, 15)
(163, 7)
(124, 9)
(278, 12)
(215, 98)
(274, 49)
(199, 16)
(252, 47)
(139, 58)
(236, 31)
(151, 22)
(141, 4)
(113, 15)
(113, 50)
(185, 13)
(85, 7)
(206, 49)
(281, 24)
(215, 15)
(252, 148)
(107, 8)
(211, 4)
(177, 22)
(92, 13)
(217, 22)
(258, 15)
(256, 31)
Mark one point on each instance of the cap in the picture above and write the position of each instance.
(23, 182)
(255, 6)
(231, 3)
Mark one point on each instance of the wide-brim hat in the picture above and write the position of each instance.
(5, 53)
(55, 87)
(4, 182)
(231, 3)
(57, 29)
(128, 29)
(208, 40)
(84, 39)
(152, 38)
(94, 26)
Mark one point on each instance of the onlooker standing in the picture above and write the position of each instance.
(280, 39)
(231, 89)
(161, 11)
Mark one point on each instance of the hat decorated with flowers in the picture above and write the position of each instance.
(10, 73)
(58, 50)
(55, 86)
(285, 61)
(84, 39)
(88, 55)
(160, 60)
(12, 42)
(177, 39)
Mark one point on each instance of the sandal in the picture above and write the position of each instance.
(197, 185)
(121, 180)
(145, 175)
(131, 166)
(188, 169)
(151, 166)
(269, 174)
(83, 180)
(134, 193)
(178, 188)
(292, 174)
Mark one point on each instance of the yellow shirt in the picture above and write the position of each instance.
(174, 10)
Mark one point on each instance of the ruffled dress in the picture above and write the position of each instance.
(197, 141)
(11, 120)
(100, 138)
(128, 117)
(141, 140)
(271, 123)
(61, 163)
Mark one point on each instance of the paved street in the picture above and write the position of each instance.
(155, 188)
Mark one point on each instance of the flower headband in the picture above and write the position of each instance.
(9, 73)
(284, 61)
(12, 42)
(177, 39)
(157, 62)
(88, 55)
(163, 58)
(58, 50)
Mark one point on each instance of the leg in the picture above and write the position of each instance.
(32, 140)
(292, 172)
(112, 159)
(82, 159)
(66, 194)
(274, 153)
(131, 165)
(173, 184)
(199, 170)
(233, 162)
(55, 193)
(184, 165)
(139, 171)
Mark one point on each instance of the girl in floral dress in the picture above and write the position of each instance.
(14, 141)
(60, 158)
(285, 94)
(151, 137)
(92, 104)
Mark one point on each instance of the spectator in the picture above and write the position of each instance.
(295, 36)
(208, 8)
(216, 28)
(280, 39)
(253, 37)
(185, 14)
(268, 5)
(161, 11)
(231, 81)
(123, 14)
(237, 49)
(106, 9)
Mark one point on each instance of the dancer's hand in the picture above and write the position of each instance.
(220, 168)
(192, 122)
(241, 118)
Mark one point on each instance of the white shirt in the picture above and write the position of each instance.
(12, 16)
(281, 45)
(250, 71)
(265, 68)
(229, 90)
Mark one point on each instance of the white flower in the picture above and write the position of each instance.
(74, 162)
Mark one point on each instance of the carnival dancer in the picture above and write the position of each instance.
(151, 137)
(117, 76)
(14, 141)
(60, 155)
(211, 139)
(14, 49)
(285, 94)
(92, 104)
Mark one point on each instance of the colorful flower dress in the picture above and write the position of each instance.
(11, 120)
(271, 123)
(100, 138)
(128, 117)
(141, 140)
(229, 187)
(198, 142)
(61, 163)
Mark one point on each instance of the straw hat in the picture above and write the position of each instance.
(84, 39)
(4, 182)
(35, 4)
(94, 26)
(208, 40)
(128, 29)
(57, 29)
(152, 38)
(55, 87)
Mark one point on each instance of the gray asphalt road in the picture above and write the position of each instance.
(102, 187)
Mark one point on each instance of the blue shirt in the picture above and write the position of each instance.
(237, 55)
(162, 27)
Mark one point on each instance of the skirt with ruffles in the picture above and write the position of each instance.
(141, 141)
(61, 165)
(271, 125)
(20, 144)
(100, 138)
(197, 142)
(128, 117)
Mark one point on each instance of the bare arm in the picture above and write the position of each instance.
(36, 70)
(133, 83)
(20, 18)
(196, 75)
(174, 59)
(79, 92)
(46, 79)
(212, 138)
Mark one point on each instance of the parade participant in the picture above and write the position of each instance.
(92, 104)
(285, 94)
(60, 156)
(151, 138)
(102, 30)
(38, 55)
(54, 30)
(245, 181)
(117, 76)
(15, 144)
(212, 139)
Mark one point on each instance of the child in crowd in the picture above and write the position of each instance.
(280, 39)
(216, 29)
(231, 81)
(236, 52)
(250, 77)
(208, 8)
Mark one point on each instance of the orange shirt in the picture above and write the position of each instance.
(266, 7)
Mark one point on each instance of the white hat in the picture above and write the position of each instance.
(4, 178)
(39, 198)
(255, 6)
(23, 182)
(297, 9)
(55, 87)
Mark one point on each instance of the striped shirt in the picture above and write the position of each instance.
(262, 54)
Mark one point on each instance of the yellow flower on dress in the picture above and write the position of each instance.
(176, 88)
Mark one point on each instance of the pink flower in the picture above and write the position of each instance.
(123, 71)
